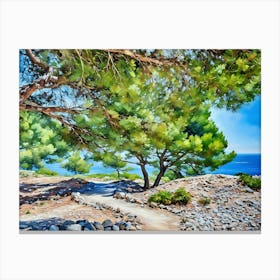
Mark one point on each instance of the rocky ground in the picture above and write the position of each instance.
(57, 203)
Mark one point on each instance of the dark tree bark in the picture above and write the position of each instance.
(159, 176)
(145, 176)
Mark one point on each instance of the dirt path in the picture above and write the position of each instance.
(152, 219)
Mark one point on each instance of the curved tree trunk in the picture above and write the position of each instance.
(159, 176)
(145, 176)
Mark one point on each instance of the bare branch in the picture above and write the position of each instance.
(34, 59)
(139, 57)
(42, 109)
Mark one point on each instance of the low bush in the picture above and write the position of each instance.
(204, 201)
(180, 196)
(162, 197)
(113, 176)
(130, 176)
(251, 182)
(46, 171)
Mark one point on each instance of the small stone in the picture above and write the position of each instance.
(115, 228)
(23, 226)
(89, 226)
(53, 228)
(119, 195)
(122, 225)
(107, 228)
(188, 225)
(98, 226)
(153, 205)
(36, 227)
(74, 227)
(248, 190)
(107, 223)
(82, 222)
(131, 216)
(128, 226)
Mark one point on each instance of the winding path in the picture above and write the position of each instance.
(152, 219)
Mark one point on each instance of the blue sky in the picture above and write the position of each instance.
(241, 128)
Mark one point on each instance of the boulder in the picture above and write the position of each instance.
(82, 222)
(107, 223)
(89, 226)
(54, 228)
(122, 225)
(115, 228)
(98, 226)
(119, 195)
(74, 227)
(128, 226)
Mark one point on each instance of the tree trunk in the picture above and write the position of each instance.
(145, 176)
(159, 176)
(118, 174)
(178, 174)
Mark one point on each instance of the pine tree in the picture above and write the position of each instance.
(136, 106)
(77, 164)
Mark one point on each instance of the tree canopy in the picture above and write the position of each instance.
(146, 107)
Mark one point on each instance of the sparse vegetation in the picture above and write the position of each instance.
(112, 176)
(46, 171)
(180, 196)
(27, 173)
(251, 182)
(205, 201)
(27, 212)
(161, 197)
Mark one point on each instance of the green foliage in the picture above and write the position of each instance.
(204, 201)
(181, 196)
(253, 183)
(129, 176)
(114, 176)
(161, 197)
(77, 164)
(136, 110)
(46, 171)
(40, 139)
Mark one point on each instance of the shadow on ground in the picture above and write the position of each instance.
(67, 187)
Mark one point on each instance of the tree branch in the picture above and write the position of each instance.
(141, 58)
(41, 109)
(35, 60)
(26, 91)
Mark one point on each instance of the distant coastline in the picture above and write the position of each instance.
(245, 163)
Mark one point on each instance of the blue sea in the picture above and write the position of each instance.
(245, 163)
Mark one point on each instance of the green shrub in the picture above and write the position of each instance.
(181, 196)
(205, 201)
(162, 197)
(253, 183)
(27, 212)
(113, 176)
(46, 171)
(130, 176)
